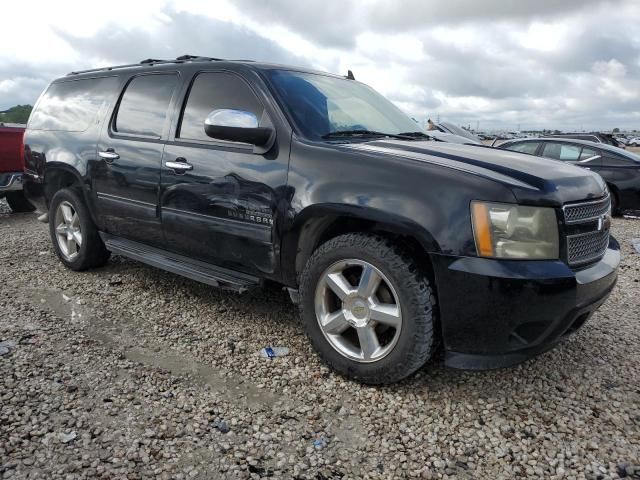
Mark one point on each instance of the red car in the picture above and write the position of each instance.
(11, 166)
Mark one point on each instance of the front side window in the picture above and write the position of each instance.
(524, 147)
(321, 104)
(145, 104)
(71, 106)
(213, 91)
(561, 151)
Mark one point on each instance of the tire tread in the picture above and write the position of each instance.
(409, 276)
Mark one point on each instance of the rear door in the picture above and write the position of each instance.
(579, 155)
(126, 176)
(221, 205)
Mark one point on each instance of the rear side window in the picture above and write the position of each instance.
(144, 105)
(212, 91)
(588, 153)
(524, 147)
(71, 106)
(560, 151)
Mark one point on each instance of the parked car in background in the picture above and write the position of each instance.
(454, 129)
(233, 173)
(618, 167)
(451, 138)
(634, 142)
(11, 167)
(594, 137)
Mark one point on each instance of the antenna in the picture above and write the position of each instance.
(350, 75)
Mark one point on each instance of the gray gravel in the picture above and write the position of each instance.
(129, 372)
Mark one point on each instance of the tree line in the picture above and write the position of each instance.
(17, 114)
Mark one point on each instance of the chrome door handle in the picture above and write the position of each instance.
(179, 166)
(109, 155)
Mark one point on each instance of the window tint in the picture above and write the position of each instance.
(559, 151)
(212, 91)
(524, 147)
(72, 106)
(612, 159)
(144, 105)
(323, 104)
(588, 153)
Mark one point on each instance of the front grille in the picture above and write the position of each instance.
(587, 247)
(587, 211)
(587, 230)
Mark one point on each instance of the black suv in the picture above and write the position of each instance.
(234, 173)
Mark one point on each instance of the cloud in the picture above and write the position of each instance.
(180, 33)
(571, 64)
(21, 83)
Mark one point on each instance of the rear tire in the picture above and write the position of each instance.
(18, 202)
(74, 235)
(400, 346)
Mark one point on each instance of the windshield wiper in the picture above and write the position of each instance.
(365, 133)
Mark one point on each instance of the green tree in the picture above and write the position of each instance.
(616, 130)
(17, 114)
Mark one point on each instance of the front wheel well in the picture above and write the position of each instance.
(319, 231)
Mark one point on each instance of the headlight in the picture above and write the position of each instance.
(504, 230)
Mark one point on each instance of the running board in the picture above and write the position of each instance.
(180, 265)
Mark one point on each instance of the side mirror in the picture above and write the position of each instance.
(237, 126)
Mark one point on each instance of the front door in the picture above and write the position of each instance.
(219, 199)
(127, 174)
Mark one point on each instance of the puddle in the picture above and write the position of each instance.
(119, 334)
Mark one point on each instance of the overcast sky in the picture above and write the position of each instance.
(569, 64)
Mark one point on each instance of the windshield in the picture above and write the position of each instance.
(321, 105)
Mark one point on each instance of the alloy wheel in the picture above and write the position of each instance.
(358, 310)
(68, 231)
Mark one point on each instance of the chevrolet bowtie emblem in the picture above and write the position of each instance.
(604, 222)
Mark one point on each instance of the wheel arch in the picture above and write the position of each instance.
(319, 223)
(60, 175)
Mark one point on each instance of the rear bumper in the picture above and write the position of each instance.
(497, 313)
(10, 182)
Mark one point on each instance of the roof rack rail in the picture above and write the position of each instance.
(154, 61)
(198, 57)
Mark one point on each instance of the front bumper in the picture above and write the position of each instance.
(10, 182)
(496, 313)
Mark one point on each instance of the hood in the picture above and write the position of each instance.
(533, 180)
(451, 138)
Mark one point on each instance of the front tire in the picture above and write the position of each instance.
(615, 203)
(18, 203)
(74, 235)
(367, 308)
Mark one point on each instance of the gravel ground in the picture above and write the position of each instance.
(129, 372)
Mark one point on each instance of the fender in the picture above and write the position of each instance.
(310, 224)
